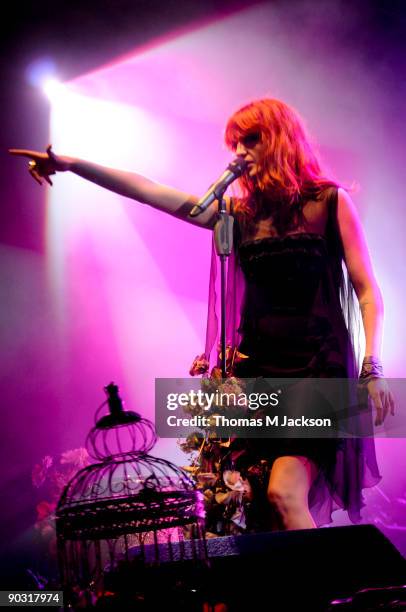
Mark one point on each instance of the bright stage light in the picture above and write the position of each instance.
(40, 70)
(53, 89)
(41, 73)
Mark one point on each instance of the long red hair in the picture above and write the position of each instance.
(290, 169)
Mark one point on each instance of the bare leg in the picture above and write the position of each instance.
(289, 484)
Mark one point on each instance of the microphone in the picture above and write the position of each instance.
(234, 169)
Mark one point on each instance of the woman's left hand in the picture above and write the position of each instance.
(382, 399)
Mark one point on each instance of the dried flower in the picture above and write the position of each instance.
(53, 475)
(40, 471)
(78, 457)
(207, 478)
(191, 443)
(200, 365)
(227, 497)
(45, 510)
(233, 356)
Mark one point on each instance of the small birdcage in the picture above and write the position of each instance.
(129, 520)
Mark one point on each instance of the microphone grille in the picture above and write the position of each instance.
(238, 166)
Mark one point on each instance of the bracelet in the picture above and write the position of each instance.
(371, 368)
(371, 359)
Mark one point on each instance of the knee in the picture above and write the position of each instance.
(284, 500)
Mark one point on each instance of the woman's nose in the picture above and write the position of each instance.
(241, 151)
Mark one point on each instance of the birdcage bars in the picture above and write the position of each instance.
(128, 512)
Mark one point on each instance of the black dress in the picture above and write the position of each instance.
(292, 324)
(286, 330)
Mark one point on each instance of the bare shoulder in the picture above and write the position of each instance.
(344, 199)
(356, 252)
(347, 214)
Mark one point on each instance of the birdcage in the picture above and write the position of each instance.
(130, 521)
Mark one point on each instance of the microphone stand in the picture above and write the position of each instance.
(223, 236)
(223, 240)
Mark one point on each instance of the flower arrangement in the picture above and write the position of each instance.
(227, 492)
(217, 386)
(201, 364)
(52, 475)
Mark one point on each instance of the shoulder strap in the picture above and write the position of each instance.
(332, 231)
(332, 201)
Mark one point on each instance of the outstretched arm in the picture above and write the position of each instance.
(128, 184)
(360, 270)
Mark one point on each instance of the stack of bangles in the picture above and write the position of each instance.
(371, 368)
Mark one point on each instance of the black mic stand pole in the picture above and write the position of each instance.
(223, 240)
